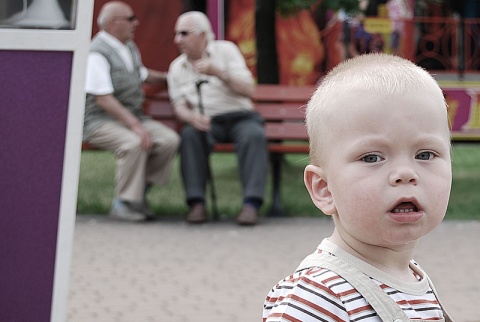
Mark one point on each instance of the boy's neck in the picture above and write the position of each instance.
(394, 262)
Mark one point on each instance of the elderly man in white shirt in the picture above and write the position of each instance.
(144, 149)
(225, 115)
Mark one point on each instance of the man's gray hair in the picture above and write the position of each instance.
(202, 23)
(107, 12)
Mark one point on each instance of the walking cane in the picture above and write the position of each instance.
(213, 196)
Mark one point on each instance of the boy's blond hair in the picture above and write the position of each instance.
(377, 74)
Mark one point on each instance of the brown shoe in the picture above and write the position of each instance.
(197, 214)
(248, 216)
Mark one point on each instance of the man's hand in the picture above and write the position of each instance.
(205, 66)
(113, 107)
(145, 137)
(200, 122)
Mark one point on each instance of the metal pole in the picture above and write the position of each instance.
(213, 196)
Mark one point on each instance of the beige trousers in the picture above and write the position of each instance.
(136, 167)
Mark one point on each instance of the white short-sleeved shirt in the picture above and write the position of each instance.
(217, 97)
(97, 78)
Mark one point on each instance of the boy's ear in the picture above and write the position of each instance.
(317, 186)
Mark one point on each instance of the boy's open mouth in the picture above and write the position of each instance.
(405, 207)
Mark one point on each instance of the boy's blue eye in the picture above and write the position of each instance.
(425, 155)
(371, 158)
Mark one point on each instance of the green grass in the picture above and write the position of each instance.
(465, 196)
(97, 172)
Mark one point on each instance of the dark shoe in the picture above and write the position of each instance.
(197, 214)
(248, 216)
(143, 208)
(147, 211)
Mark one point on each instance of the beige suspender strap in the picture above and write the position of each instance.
(445, 313)
(384, 306)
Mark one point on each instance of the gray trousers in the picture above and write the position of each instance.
(245, 130)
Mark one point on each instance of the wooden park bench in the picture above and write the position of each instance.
(283, 109)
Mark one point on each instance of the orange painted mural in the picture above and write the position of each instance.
(299, 47)
(312, 39)
(241, 30)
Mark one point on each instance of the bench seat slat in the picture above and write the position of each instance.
(272, 147)
(288, 148)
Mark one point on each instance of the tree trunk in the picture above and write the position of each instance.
(267, 61)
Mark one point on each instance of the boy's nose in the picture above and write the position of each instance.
(403, 174)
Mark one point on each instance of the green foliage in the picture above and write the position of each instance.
(292, 7)
(349, 6)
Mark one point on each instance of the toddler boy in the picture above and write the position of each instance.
(380, 166)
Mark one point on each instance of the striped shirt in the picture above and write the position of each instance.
(318, 294)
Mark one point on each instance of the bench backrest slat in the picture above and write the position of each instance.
(158, 109)
(281, 112)
(283, 93)
(286, 131)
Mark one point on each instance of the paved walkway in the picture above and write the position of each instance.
(167, 271)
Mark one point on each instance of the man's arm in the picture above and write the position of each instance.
(186, 114)
(236, 84)
(156, 77)
(239, 85)
(113, 107)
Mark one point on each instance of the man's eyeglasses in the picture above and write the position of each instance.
(183, 33)
(131, 18)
